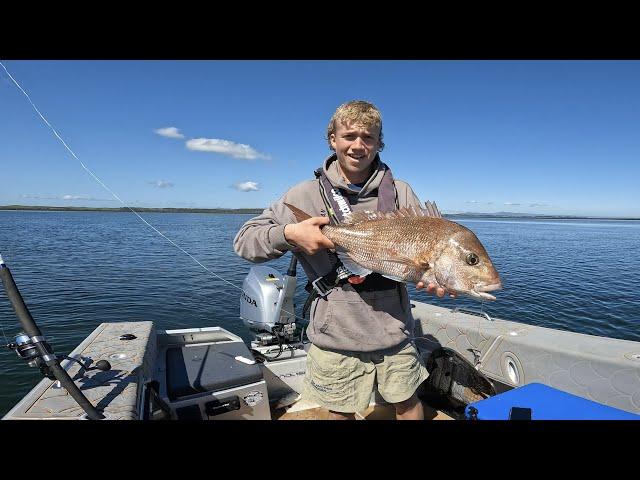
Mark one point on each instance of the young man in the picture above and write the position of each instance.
(360, 333)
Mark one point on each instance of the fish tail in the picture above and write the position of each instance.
(299, 214)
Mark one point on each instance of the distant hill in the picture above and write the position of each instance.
(534, 215)
(256, 211)
(496, 214)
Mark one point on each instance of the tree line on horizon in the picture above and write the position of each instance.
(255, 211)
(136, 209)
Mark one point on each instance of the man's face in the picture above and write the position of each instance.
(356, 147)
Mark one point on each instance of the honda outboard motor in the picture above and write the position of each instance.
(267, 309)
(266, 304)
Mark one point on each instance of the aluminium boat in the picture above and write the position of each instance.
(212, 374)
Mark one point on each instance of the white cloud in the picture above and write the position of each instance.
(246, 186)
(40, 197)
(479, 202)
(226, 147)
(170, 132)
(529, 204)
(64, 197)
(161, 184)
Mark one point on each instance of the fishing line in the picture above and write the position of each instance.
(114, 194)
(4, 334)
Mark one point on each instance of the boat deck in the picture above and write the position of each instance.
(302, 411)
(604, 370)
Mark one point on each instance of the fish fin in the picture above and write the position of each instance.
(393, 277)
(411, 268)
(409, 262)
(352, 266)
(299, 214)
(361, 271)
(432, 209)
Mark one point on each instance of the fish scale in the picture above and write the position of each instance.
(369, 243)
(414, 245)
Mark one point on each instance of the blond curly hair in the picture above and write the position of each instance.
(359, 112)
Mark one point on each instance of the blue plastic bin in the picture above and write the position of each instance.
(546, 403)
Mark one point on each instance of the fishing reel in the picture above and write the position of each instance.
(25, 348)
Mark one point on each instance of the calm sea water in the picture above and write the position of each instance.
(76, 270)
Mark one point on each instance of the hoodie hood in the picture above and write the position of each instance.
(330, 168)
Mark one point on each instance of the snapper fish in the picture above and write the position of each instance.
(413, 245)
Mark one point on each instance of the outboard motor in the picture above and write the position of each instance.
(268, 311)
(266, 304)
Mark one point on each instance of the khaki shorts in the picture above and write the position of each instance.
(343, 381)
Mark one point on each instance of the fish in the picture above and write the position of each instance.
(413, 245)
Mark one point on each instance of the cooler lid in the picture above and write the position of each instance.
(208, 368)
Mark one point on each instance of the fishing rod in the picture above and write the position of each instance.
(32, 347)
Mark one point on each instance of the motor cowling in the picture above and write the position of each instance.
(261, 291)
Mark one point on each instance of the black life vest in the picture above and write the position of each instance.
(338, 206)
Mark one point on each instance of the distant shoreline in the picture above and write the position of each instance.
(529, 216)
(256, 211)
(126, 210)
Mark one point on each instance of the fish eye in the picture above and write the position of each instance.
(472, 259)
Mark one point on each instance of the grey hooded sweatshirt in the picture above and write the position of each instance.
(345, 319)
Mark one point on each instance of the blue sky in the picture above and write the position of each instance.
(548, 137)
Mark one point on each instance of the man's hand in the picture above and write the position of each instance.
(439, 291)
(307, 236)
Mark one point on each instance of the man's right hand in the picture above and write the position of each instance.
(307, 236)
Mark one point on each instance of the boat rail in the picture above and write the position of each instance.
(472, 312)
